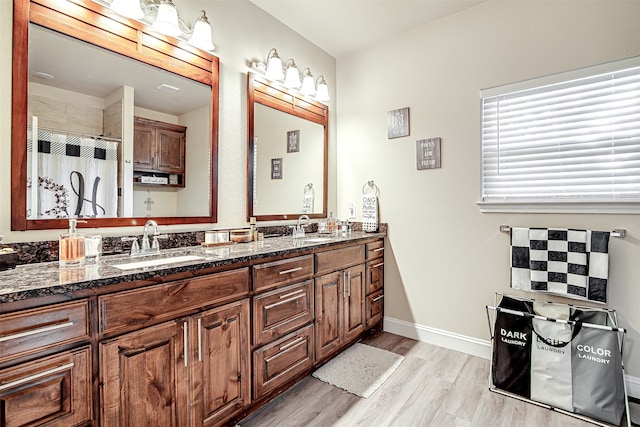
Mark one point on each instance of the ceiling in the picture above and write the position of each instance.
(340, 27)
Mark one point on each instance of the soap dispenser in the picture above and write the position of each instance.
(71, 246)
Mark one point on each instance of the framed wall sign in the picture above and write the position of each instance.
(428, 153)
(293, 141)
(398, 123)
(276, 168)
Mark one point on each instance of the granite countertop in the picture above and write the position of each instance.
(48, 278)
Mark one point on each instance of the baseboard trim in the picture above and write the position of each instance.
(464, 344)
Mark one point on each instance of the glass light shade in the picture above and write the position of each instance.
(292, 79)
(201, 37)
(322, 94)
(127, 8)
(274, 66)
(167, 19)
(308, 86)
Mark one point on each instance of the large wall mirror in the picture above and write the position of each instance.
(111, 123)
(286, 153)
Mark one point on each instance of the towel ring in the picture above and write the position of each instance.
(372, 186)
(308, 189)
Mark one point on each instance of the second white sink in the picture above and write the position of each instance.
(157, 261)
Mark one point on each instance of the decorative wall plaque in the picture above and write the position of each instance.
(276, 168)
(428, 153)
(293, 141)
(398, 123)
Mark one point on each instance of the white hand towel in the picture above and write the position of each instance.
(370, 212)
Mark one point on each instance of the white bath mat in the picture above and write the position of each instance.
(360, 369)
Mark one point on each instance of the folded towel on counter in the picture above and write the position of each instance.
(572, 263)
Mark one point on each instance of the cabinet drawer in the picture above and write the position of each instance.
(375, 308)
(375, 275)
(55, 390)
(281, 311)
(30, 331)
(282, 360)
(375, 249)
(141, 307)
(339, 258)
(272, 274)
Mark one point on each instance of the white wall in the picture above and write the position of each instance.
(242, 33)
(445, 259)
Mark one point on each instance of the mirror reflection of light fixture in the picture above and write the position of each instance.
(128, 8)
(274, 66)
(292, 77)
(308, 85)
(165, 20)
(201, 37)
(322, 89)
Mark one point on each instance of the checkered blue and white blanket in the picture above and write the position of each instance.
(572, 263)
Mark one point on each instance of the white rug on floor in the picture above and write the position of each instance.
(360, 369)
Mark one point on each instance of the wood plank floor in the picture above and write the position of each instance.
(433, 386)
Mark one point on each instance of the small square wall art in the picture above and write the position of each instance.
(398, 123)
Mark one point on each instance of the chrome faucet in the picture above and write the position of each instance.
(155, 246)
(298, 230)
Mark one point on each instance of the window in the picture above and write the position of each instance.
(565, 142)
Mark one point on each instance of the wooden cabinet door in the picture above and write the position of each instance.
(170, 151)
(144, 377)
(144, 138)
(353, 301)
(55, 391)
(220, 375)
(329, 290)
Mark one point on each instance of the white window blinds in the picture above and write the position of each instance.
(573, 137)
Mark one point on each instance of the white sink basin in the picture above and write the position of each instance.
(157, 261)
(319, 239)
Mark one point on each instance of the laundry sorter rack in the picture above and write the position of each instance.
(562, 357)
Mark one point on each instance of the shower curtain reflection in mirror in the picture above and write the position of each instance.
(76, 176)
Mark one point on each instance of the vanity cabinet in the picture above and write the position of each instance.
(191, 369)
(339, 298)
(283, 314)
(159, 148)
(374, 305)
(49, 378)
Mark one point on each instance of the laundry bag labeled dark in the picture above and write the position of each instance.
(596, 366)
(551, 381)
(511, 361)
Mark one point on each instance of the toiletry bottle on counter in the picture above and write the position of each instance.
(331, 223)
(71, 246)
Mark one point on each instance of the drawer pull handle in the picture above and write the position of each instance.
(349, 282)
(20, 381)
(378, 298)
(290, 270)
(200, 340)
(379, 249)
(292, 293)
(380, 264)
(292, 343)
(36, 331)
(344, 284)
(186, 347)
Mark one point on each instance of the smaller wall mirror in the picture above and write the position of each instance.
(286, 153)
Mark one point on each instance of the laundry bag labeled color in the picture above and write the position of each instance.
(596, 366)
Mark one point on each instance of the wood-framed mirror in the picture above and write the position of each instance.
(182, 196)
(287, 153)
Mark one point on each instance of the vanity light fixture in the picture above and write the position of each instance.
(292, 77)
(167, 20)
(274, 66)
(322, 90)
(201, 37)
(274, 71)
(162, 16)
(308, 85)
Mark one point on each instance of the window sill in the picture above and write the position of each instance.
(561, 207)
